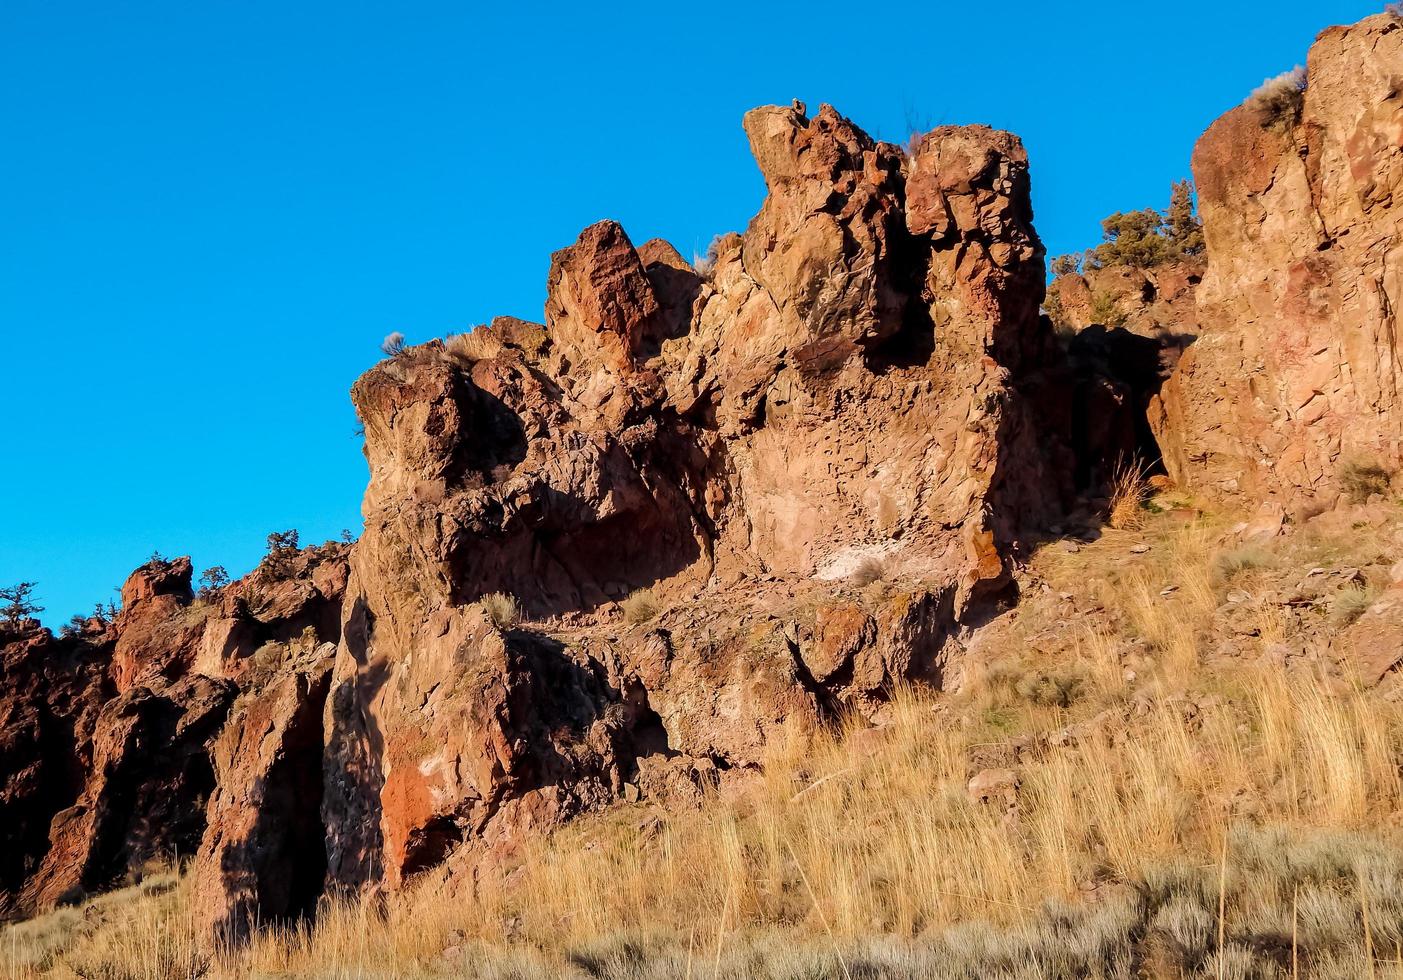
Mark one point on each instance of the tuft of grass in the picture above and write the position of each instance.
(478, 344)
(1349, 604)
(640, 607)
(501, 609)
(1129, 492)
(1361, 480)
(1231, 565)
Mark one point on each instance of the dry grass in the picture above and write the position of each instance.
(870, 570)
(478, 344)
(1361, 480)
(1129, 492)
(1213, 810)
(640, 607)
(879, 856)
(501, 609)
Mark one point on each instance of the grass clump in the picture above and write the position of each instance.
(640, 607)
(1349, 604)
(1129, 494)
(501, 609)
(868, 571)
(478, 344)
(1361, 480)
(1233, 564)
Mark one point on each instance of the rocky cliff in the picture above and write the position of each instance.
(611, 556)
(1295, 374)
(850, 383)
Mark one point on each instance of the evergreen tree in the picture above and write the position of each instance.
(1181, 222)
(18, 603)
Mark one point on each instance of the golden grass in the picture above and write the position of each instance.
(1129, 491)
(478, 344)
(857, 846)
(501, 608)
(640, 606)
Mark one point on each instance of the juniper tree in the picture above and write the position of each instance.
(18, 603)
(1181, 223)
(214, 577)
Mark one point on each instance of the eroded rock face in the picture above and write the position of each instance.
(145, 794)
(53, 690)
(106, 732)
(1296, 373)
(854, 382)
(263, 857)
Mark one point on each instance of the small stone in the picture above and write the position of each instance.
(1071, 547)
(995, 786)
(1139, 549)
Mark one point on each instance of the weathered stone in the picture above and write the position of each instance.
(1295, 374)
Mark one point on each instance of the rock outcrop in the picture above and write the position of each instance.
(1296, 372)
(614, 555)
(850, 385)
(107, 732)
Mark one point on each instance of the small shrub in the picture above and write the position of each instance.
(1231, 564)
(501, 609)
(1349, 604)
(640, 607)
(1050, 690)
(264, 663)
(705, 264)
(1394, 10)
(282, 546)
(1279, 99)
(1105, 312)
(393, 344)
(870, 569)
(1066, 265)
(214, 577)
(1360, 480)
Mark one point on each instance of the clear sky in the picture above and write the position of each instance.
(211, 212)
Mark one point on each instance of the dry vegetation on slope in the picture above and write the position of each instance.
(1173, 776)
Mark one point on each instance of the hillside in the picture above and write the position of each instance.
(818, 609)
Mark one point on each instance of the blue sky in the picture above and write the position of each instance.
(212, 212)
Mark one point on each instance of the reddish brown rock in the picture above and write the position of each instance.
(1295, 374)
(601, 303)
(105, 732)
(838, 387)
(263, 856)
(51, 691)
(143, 802)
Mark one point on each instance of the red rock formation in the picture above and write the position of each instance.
(105, 735)
(52, 690)
(263, 857)
(851, 383)
(1296, 373)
